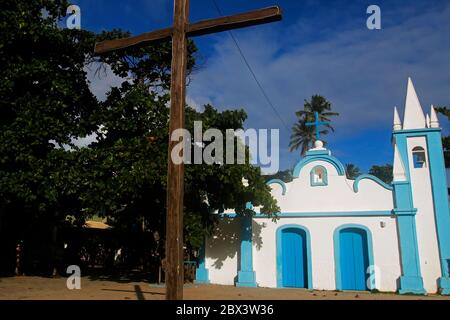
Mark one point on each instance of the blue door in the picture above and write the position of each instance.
(353, 259)
(294, 267)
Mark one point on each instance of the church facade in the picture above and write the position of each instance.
(334, 233)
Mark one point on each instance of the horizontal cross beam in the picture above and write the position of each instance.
(203, 27)
(110, 45)
(237, 21)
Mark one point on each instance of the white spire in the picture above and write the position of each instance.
(397, 122)
(427, 121)
(414, 117)
(434, 121)
(399, 172)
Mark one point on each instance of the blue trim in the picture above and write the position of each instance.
(324, 180)
(313, 152)
(441, 208)
(372, 213)
(444, 286)
(405, 212)
(370, 177)
(280, 182)
(411, 279)
(416, 132)
(280, 258)
(380, 213)
(246, 279)
(411, 285)
(337, 258)
(201, 273)
(246, 275)
(323, 157)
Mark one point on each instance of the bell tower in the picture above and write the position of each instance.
(421, 199)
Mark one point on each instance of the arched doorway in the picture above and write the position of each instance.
(353, 257)
(293, 257)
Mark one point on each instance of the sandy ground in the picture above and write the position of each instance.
(96, 289)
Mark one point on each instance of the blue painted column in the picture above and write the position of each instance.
(201, 274)
(246, 275)
(411, 280)
(441, 207)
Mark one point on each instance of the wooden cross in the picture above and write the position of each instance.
(175, 178)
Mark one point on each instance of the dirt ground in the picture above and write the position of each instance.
(37, 288)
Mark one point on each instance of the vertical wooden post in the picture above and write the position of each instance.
(175, 176)
(174, 267)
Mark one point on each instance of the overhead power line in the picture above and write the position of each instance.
(258, 83)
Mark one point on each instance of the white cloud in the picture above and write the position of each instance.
(362, 72)
(85, 141)
(101, 79)
(193, 103)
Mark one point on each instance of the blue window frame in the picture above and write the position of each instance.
(319, 176)
(419, 159)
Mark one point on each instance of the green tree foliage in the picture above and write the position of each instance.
(352, 171)
(44, 97)
(284, 175)
(445, 140)
(384, 173)
(212, 188)
(303, 136)
(127, 168)
(45, 101)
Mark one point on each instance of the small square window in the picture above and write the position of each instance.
(319, 176)
(419, 159)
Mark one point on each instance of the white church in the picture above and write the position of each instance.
(339, 234)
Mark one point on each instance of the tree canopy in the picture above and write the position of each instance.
(47, 181)
(303, 136)
(383, 172)
(352, 171)
(284, 175)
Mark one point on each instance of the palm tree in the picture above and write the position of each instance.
(352, 171)
(302, 135)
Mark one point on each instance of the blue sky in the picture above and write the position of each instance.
(320, 47)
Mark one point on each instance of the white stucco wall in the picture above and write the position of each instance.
(338, 195)
(425, 218)
(385, 249)
(222, 252)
